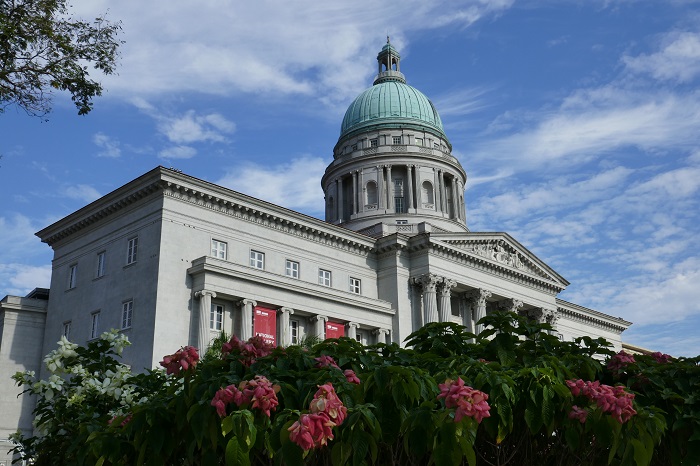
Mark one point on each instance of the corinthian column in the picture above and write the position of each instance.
(247, 318)
(320, 322)
(285, 337)
(203, 335)
(510, 305)
(479, 298)
(428, 282)
(409, 173)
(446, 286)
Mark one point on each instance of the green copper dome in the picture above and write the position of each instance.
(391, 104)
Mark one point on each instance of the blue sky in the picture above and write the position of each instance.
(578, 123)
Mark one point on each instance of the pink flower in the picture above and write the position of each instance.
(578, 413)
(259, 393)
(326, 401)
(468, 401)
(326, 361)
(661, 358)
(248, 352)
(311, 430)
(351, 377)
(223, 397)
(124, 422)
(619, 361)
(182, 360)
(613, 400)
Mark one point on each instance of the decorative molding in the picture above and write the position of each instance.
(369, 151)
(398, 148)
(571, 314)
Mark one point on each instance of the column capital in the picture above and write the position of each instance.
(478, 294)
(202, 293)
(446, 285)
(287, 310)
(353, 324)
(246, 302)
(380, 331)
(428, 281)
(317, 318)
(510, 304)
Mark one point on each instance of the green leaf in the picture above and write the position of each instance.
(235, 455)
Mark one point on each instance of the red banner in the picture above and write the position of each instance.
(265, 324)
(334, 330)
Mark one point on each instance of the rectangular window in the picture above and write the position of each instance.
(218, 249)
(94, 325)
(127, 313)
(294, 331)
(324, 277)
(355, 285)
(419, 141)
(292, 269)
(354, 147)
(100, 264)
(66, 329)
(398, 205)
(396, 139)
(257, 259)
(361, 337)
(373, 142)
(436, 145)
(72, 276)
(216, 317)
(131, 250)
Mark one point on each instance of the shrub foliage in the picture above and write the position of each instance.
(512, 395)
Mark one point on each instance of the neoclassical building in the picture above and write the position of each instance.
(173, 260)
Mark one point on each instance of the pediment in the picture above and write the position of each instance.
(501, 249)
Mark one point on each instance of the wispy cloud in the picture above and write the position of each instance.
(178, 152)
(109, 146)
(294, 185)
(191, 127)
(81, 192)
(677, 60)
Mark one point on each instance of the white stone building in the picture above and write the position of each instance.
(173, 260)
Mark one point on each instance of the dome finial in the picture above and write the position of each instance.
(387, 39)
(389, 64)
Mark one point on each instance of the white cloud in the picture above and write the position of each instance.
(20, 279)
(178, 152)
(191, 127)
(18, 231)
(678, 60)
(110, 147)
(81, 192)
(304, 47)
(294, 185)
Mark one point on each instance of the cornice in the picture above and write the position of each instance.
(588, 316)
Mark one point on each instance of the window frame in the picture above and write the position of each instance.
(132, 248)
(325, 278)
(66, 329)
(257, 259)
(101, 261)
(218, 248)
(94, 325)
(396, 140)
(355, 285)
(73, 276)
(294, 331)
(127, 314)
(290, 270)
(216, 317)
(374, 142)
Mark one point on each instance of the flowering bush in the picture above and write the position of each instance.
(619, 361)
(512, 395)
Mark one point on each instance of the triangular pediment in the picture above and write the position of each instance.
(502, 250)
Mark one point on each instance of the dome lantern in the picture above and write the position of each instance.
(389, 65)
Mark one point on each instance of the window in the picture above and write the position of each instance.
(66, 329)
(396, 139)
(355, 285)
(427, 192)
(354, 147)
(127, 313)
(398, 205)
(257, 259)
(100, 264)
(371, 193)
(436, 145)
(294, 331)
(324, 277)
(419, 141)
(72, 276)
(94, 324)
(361, 337)
(131, 249)
(402, 222)
(216, 317)
(291, 268)
(373, 142)
(218, 249)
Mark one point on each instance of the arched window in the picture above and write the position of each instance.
(427, 192)
(371, 193)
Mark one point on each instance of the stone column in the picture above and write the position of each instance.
(455, 199)
(361, 192)
(380, 187)
(543, 315)
(381, 334)
(352, 330)
(203, 334)
(478, 298)
(446, 286)
(320, 321)
(285, 332)
(341, 210)
(443, 193)
(460, 195)
(247, 318)
(419, 189)
(436, 190)
(468, 313)
(409, 173)
(389, 190)
(428, 282)
(510, 305)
